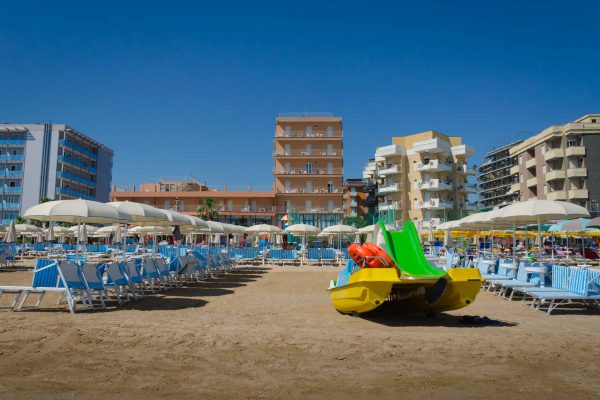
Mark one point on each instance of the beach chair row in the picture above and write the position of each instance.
(541, 287)
(87, 286)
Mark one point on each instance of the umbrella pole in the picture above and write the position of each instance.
(540, 239)
(514, 244)
(526, 242)
(77, 247)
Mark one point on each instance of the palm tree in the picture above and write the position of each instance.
(208, 210)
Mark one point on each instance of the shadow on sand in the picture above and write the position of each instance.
(395, 316)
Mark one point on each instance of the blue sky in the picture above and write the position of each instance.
(190, 88)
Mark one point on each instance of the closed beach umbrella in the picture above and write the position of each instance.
(50, 235)
(11, 233)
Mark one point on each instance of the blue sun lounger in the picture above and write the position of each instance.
(583, 288)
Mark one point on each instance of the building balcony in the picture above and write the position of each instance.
(303, 172)
(73, 194)
(575, 151)
(390, 188)
(353, 204)
(578, 194)
(12, 158)
(11, 206)
(389, 151)
(577, 172)
(76, 163)
(315, 210)
(432, 223)
(468, 188)
(558, 195)
(554, 154)
(11, 189)
(433, 184)
(465, 169)
(308, 135)
(352, 214)
(11, 174)
(394, 169)
(74, 147)
(462, 151)
(434, 166)
(353, 194)
(434, 204)
(314, 153)
(530, 163)
(469, 206)
(515, 187)
(13, 143)
(514, 169)
(394, 205)
(431, 146)
(315, 191)
(555, 175)
(75, 178)
(531, 182)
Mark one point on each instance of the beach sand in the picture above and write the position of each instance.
(272, 333)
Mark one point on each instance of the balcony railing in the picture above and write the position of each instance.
(394, 169)
(13, 189)
(316, 171)
(83, 181)
(13, 142)
(433, 184)
(389, 206)
(431, 146)
(74, 194)
(318, 153)
(77, 163)
(309, 135)
(314, 191)
(79, 149)
(390, 188)
(10, 206)
(434, 166)
(11, 174)
(223, 209)
(434, 204)
(12, 158)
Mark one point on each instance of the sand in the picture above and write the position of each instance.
(272, 333)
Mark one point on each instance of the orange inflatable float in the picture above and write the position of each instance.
(369, 255)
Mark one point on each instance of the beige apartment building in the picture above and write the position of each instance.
(307, 169)
(560, 163)
(423, 177)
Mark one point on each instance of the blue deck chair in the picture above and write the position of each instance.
(275, 255)
(250, 254)
(153, 276)
(136, 279)
(163, 267)
(505, 271)
(92, 275)
(118, 282)
(524, 281)
(327, 256)
(313, 255)
(289, 257)
(45, 279)
(581, 289)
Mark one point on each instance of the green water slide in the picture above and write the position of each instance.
(405, 249)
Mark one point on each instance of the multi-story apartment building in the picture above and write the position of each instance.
(495, 179)
(560, 163)
(355, 198)
(239, 206)
(423, 177)
(308, 168)
(50, 161)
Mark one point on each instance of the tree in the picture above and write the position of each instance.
(45, 200)
(356, 222)
(208, 210)
(20, 220)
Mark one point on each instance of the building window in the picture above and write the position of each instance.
(330, 131)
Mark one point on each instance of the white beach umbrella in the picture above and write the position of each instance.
(538, 212)
(302, 229)
(11, 234)
(140, 213)
(198, 224)
(76, 211)
(146, 230)
(340, 230)
(371, 228)
(215, 227)
(27, 229)
(263, 229)
(174, 219)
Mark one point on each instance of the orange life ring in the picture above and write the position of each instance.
(358, 253)
(379, 253)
